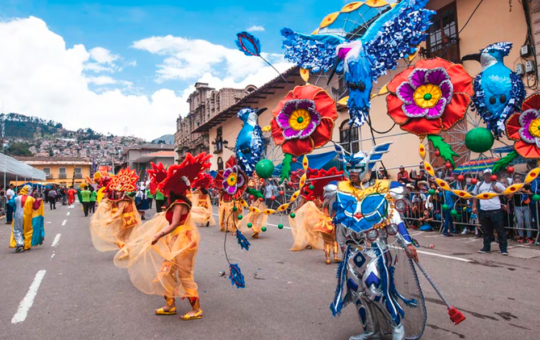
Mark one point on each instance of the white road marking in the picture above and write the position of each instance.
(473, 240)
(445, 256)
(52, 255)
(64, 222)
(55, 241)
(71, 207)
(417, 233)
(28, 300)
(68, 213)
(49, 222)
(433, 236)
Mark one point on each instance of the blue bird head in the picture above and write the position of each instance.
(490, 55)
(249, 115)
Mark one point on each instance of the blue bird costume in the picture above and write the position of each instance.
(499, 92)
(249, 143)
(393, 36)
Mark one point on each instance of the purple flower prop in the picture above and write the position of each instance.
(298, 118)
(426, 93)
(528, 133)
(233, 180)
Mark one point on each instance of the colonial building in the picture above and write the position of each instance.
(61, 170)
(459, 28)
(139, 157)
(204, 103)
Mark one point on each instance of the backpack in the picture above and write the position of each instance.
(52, 193)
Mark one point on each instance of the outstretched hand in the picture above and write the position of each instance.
(411, 253)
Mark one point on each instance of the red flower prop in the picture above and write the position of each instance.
(429, 97)
(304, 120)
(524, 128)
(180, 176)
(317, 180)
(125, 181)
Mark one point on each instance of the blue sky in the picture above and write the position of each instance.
(115, 25)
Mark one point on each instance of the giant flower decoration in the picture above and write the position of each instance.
(234, 180)
(429, 97)
(524, 128)
(304, 120)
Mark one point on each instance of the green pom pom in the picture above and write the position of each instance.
(293, 215)
(536, 197)
(479, 140)
(249, 225)
(453, 212)
(240, 217)
(445, 207)
(280, 226)
(311, 187)
(234, 208)
(431, 191)
(264, 168)
(263, 229)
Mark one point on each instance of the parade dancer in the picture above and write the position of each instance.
(200, 198)
(230, 184)
(28, 222)
(256, 219)
(162, 251)
(373, 236)
(116, 215)
(311, 226)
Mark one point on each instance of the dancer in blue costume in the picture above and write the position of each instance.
(374, 273)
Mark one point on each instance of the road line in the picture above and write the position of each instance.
(52, 255)
(28, 300)
(71, 207)
(433, 236)
(64, 223)
(68, 213)
(418, 233)
(445, 256)
(55, 241)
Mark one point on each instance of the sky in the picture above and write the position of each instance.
(129, 66)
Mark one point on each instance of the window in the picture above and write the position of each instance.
(348, 138)
(47, 172)
(78, 173)
(62, 173)
(443, 38)
(220, 163)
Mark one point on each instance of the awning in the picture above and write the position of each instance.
(325, 161)
(13, 169)
(477, 165)
(503, 150)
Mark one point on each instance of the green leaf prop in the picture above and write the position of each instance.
(254, 192)
(286, 168)
(446, 150)
(504, 162)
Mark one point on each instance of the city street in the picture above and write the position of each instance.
(65, 289)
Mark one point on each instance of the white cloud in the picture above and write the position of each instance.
(103, 56)
(188, 59)
(106, 80)
(256, 28)
(39, 76)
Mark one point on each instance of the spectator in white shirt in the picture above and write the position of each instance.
(9, 210)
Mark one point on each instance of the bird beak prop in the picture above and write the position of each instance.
(475, 57)
(260, 111)
(336, 64)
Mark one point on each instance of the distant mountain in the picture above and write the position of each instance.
(165, 139)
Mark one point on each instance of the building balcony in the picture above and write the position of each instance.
(62, 176)
(78, 176)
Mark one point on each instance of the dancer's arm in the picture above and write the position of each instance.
(178, 211)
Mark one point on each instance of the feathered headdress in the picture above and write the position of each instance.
(179, 177)
(157, 174)
(203, 181)
(125, 180)
(317, 180)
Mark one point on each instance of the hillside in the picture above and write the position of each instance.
(26, 136)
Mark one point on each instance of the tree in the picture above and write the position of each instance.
(19, 149)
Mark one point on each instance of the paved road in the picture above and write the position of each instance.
(82, 295)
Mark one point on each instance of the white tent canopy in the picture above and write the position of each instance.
(12, 169)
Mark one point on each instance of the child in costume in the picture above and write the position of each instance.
(162, 251)
(312, 227)
(116, 215)
(200, 198)
(28, 222)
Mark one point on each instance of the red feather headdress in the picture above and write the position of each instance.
(179, 177)
(125, 181)
(203, 181)
(157, 174)
(318, 179)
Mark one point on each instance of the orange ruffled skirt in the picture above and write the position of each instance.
(166, 268)
(257, 219)
(112, 223)
(202, 210)
(306, 227)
